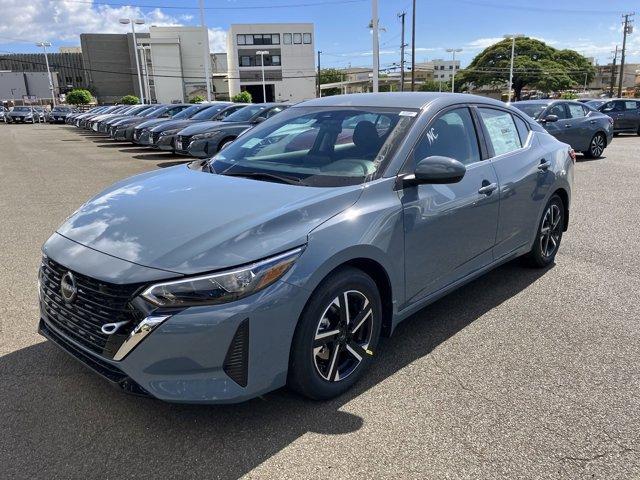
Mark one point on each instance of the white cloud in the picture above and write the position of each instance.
(63, 21)
(482, 43)
(217, 40)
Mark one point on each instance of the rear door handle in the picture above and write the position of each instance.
(567, 125)
(487, 188)
(592, 121)
(544, 165)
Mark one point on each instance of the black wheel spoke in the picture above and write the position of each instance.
(332, 371)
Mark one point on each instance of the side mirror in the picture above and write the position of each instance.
(436, 170)
(550, 119)
(259, 120)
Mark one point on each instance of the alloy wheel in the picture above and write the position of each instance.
(550, 230)
(597, 145)
(343, 335)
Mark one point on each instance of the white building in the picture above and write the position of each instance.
(174, 61)
(289, 67)
(442, 69)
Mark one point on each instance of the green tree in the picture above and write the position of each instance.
(242, 97)
(79, 96)
(536, 65)
(331, 75)
(196, 99)
(130, 100)
(431, 86)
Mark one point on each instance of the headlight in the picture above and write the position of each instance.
(222, 287)
(169, 132)
(201, 136)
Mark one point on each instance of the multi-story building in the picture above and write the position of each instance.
(110, 65)
(442, 69)
(602, 78)
(289, 65)
(15, 86)
(67, 68)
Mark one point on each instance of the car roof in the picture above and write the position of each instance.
(397, 100)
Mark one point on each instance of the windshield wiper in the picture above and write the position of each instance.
(267, 176)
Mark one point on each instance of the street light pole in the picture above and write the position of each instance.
(453, 51)
(133, 23)
(512, 37)
(44, 46)
(376, 48)
(262, 53)
(207, 59)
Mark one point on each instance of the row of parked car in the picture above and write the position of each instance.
(199, 130)
(35, 114)
(589, 125)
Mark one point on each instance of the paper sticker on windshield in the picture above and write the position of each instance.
(251, 143)
(406, 113)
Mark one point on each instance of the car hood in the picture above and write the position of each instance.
(172, 124)
(188, 221)
(202, 127)
(152, 122)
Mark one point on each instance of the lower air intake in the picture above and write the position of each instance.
(236, 363)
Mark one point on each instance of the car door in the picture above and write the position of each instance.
(558, 129)
(615, 109)
(523, 177)
(578, 128)
(631, 115)
(449, 229)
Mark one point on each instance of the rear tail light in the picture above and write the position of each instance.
(572, 154)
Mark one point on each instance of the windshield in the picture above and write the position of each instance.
(209, 112)
(596, 103)
(532, 109)
(188, 112)
(245, 114)
(61, 109)
(317, 146)
(152, 111)
(21, 109)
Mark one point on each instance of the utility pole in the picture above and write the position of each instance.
(205, 47)
(402, 45)
(376, 47)
(413, 48)
(44, 46)
(134, 22)
(453, 52)
(512, 37)
(628, 28)
(613, 71)
(319, 91)
(262, 53)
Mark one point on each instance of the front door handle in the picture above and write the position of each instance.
(487, 188)
(544, 165)
(567, 125)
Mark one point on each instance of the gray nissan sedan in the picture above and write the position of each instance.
(283, 259)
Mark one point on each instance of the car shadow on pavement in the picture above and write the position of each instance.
(61, 420)
(173, 164)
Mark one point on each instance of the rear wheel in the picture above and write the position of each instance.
(597, 146)
(547, 242)
(336, 335)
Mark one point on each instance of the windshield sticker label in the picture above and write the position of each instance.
(432, 136)
(405, 113)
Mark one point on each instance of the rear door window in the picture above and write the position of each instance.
(631, 105)
(558, 110)
(453, 135)
(523, 129)
(575, 110)
(501, 130)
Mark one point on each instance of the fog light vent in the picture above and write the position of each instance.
(236, 363)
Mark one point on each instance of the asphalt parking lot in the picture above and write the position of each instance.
(521, 374)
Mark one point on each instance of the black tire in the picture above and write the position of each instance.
(225, 143)
(318, 355)
(546, 245)
(596, 146)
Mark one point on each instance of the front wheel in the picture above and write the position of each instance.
(597, 146)
(336, 336)
(550, 229)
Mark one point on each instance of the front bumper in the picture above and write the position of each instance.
(200, 148)
(186, 358)
(165, 143)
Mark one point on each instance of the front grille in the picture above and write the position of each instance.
(96, 304)
(236, 362)
(155, 137)
(185, 140)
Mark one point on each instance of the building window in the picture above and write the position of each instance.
(306, 38)
(79, 79)
(68, 79)
(259, 39)
(245, 61)
(275, 60)
(287, 38)
(275, 39)
(297, 38)
(450, 67)
(241, 40)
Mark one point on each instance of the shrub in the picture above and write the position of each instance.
(196, 99)
(242, 97)
(130, 100)
(79, 96)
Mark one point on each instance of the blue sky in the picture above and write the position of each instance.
(588, 26)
